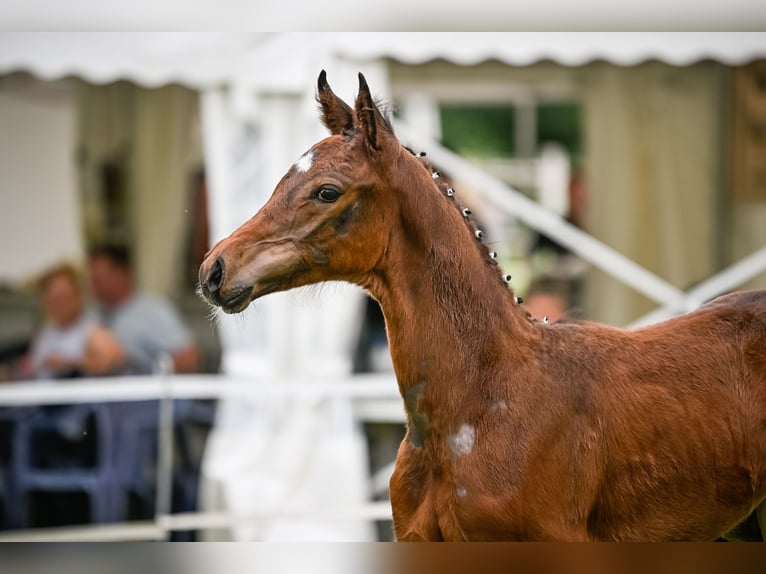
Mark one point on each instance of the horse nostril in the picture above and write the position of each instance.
(215, 277)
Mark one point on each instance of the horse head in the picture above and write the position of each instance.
(324, 220)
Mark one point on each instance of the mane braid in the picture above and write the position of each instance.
(443, 186)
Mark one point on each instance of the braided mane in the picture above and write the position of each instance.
(444, 187)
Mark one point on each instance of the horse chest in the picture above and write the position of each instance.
(447, 493)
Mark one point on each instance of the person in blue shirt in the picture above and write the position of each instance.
(146, 326)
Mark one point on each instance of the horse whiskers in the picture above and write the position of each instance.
(213, 311)
(213, 315)
(310, 294)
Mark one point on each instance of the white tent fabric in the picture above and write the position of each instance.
(571, 49)
(204, 60)
(150, 59)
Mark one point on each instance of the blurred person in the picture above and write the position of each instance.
(549, 298)
(146, 326)
(71, 344)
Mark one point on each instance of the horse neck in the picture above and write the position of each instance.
(450, 317)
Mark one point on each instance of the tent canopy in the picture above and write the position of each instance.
(202, 60)
(150, 59)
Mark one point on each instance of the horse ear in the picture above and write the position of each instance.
(337, 115)
(369, 121)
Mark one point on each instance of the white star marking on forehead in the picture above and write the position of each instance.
(304, 164)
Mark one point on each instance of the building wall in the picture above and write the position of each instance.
(39, 207)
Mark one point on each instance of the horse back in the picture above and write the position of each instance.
(678, 411)
(742, 320)
(753, 301)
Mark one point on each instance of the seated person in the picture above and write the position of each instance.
(71, 344)
(146, 326)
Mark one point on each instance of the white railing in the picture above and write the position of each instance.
(375, 398)
(731, 277)
(140, 388)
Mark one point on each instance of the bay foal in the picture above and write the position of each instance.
(517, 429)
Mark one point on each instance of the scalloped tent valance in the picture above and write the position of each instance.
(570, 49)
(204, 60)
(197, 60)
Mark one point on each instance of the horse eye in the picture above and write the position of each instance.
(328, 194)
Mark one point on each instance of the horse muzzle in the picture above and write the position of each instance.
(212, 275)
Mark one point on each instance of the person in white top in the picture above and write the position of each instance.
(71, 343)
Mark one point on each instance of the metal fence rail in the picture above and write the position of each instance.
(374, 397)
(141, 388)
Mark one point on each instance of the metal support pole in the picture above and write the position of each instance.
(164, 491)
(731, 277)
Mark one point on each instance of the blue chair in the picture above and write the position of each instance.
(32, 472)
(10, 419)
(186, 473)
(4, 518)
(136, 451)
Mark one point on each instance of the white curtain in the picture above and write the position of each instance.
(151, 136)
(166, 150)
